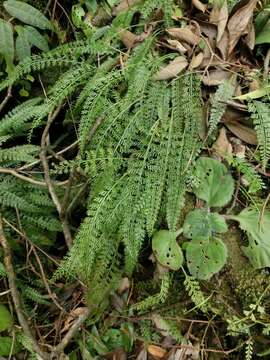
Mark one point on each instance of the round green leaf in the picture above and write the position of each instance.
(6, 320)
(201, 223)
(8, 346)
(166, 250)
(215, 185)
(204, 259)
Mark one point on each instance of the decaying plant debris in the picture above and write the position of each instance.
(134, 191)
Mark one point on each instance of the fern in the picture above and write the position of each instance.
(249, 349)
(224, 93)
(260, 113)
(154, 300)
(254, 180)
(20, 153)
(193, 288)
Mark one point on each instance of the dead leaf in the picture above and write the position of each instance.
(215, 77)
(196, 61)
(118, 354)
(250, 38)
(219, 17)
(177, 46)
(128, 39)
(184, 34)
(142, 355)
(238, 23)
(243, 132)
(156, 351)
(124, 5)
(222, 45)
(123, 286)
(222, 147)
(199, 5)
(172, 69)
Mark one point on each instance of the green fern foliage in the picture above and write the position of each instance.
(224, 93)
(260, 114)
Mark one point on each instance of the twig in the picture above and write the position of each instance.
(15, 294)
(55, 199)
(4, 102)
(27, 166)
(74, 328)
(28, 179)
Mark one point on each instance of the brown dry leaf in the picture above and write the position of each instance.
(156, 351)
(184, 34)
(219, 17)
(222, 20)
(124, 5)
(196, 61)
(142, 355)
(172, 69)
(243, 132)
(250, 38)
(222, 147)
(215, 77)
(71, 317)
(223, 44)
(199, 5)
(128, 39)
(177, 46)
(238, 23)
(123, 286)
(118, 354)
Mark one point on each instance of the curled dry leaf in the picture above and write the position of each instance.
(196, 61)
(239, 22)
(215, 77)
(172, 69)
(184, 34)
(156, 351)
(199, 5)
(177, 46)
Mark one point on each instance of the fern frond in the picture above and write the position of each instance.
(224, 93)
(65, 55)
(20, 153)
(260, 114)
(155, 300)
(194, 291)
(253, 178)
(186, 116)
(14, 122)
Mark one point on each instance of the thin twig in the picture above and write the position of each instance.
(71, 146)
(15, 294)
(7, 97)
(55, 199)
(73, 329)
(28, 179)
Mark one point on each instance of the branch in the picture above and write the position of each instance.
(4, 102)
(26, 178)
(15, 294)
(74, 328)
(44, 161)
